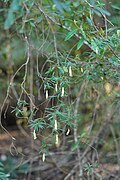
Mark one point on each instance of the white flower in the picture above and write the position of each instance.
(46, 94)
(55, 124)
(82, 70)
(56, 87)
(43, 157)
(70, 71)
(63, 91)
(56, 139)
(68, 131)
(34, 135)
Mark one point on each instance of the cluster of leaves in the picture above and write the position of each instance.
(6, 172)
(79, 44)
(3, 174)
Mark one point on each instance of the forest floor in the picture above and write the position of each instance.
(24, 161)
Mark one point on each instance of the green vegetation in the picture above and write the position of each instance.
(60, 67)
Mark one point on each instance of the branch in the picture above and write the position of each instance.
(58, 24)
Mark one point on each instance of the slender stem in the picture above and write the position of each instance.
(76, 129)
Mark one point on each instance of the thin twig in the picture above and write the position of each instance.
(75, 129)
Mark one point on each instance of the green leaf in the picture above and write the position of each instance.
(61, 70)
(115, 7)
(10, 16)
(28, 20)
(94, 46)
(32, 24)
(15, 6)
(9, 21)
(65, 69)
(102, 11)
(83, 33)
(101, 4)
(70, 34)
(118, 32)
(101, 53)
(89, 21)
(83, 134)
(80, 43)
(59, 6)
(50, 70)
(75, 146)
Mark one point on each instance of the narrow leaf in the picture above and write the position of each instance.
(15, 5)
(70, 34)
(10, 20)
(80, 43)
(59, 6)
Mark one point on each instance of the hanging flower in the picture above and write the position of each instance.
(56, 139)
(82, 70)
(56, 87)
(43, 157)
(63, 91)
(55, 125)
(68, 131)
(46, 94)
(70, 71)
(34, 135)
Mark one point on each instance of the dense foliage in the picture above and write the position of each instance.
(60, 64)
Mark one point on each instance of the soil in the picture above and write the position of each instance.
(24, 161)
